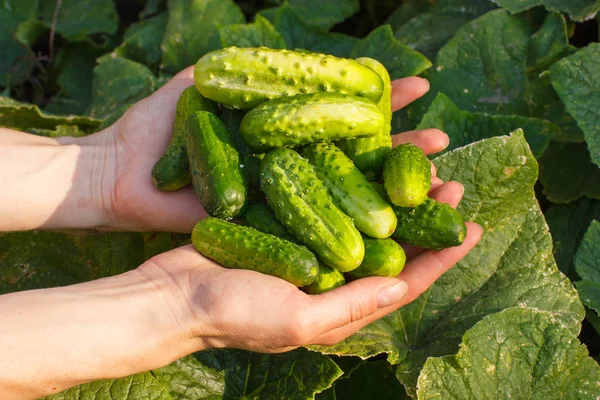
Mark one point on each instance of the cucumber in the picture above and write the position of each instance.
(172, 171)
(236, 246)
(351, 191)
(407, 175)
(215, 166)
(327, 279)
(302, 204)
(383, 257)
(309, 118)
(243, 78)
(431, 225)
(368, 154)
(260, 217)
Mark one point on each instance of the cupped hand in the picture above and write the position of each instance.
(136, 141)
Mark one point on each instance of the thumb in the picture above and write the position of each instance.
(354, 302)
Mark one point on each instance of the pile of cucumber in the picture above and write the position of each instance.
(311, 133)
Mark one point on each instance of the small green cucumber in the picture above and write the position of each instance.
(236, 246)
(260, 217)
(407, 175)
(327, 279)
(302, 204)
(430, 225)
(351, 191)
(215, 166)
(243, 78)
(383, 257)
(309, 118)
(369, 153)
(172, 171)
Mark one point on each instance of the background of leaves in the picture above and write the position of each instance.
(69, 67)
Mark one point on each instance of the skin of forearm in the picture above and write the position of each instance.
(104, 329)
(51, 183)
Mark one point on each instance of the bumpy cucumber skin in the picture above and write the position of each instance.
(351, 191)
(236, 246)
(260, 217)
(172, 171)
(302, 204)
(243, 78)
(327, 279)
(369, 153)
(383, 257)
(310, 118)
(407, 175)
(215, 166)
(431, 225)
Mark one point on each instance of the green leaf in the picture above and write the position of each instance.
(423, 33)
(577, 81)
(16, 61)
(400, 60)
(239, 374)
(517, 353)
(370, 379)
(579, 10)
(568, 224)
(318, 14)
(77, 19)
(567, 173)
(587, 267)
(260, 33)
(142, 40)
(119, 83)
(192, 30)
(297, 34)
(464, 127)
(136, 387)
(511, 266)
(589, 292)
(23, 116)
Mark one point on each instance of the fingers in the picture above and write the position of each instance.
(435, 183)
(430, 140)
(427, 267)
(407, 90)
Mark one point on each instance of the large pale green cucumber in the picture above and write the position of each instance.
(236, 246)
(407, 175)
(351, 190)
(243, 78)
(310, 118)
(172, 171)
(383, 257)
(303, 205)
(215, 166)
(369, 153)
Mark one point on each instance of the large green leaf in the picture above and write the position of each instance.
(577, 80)
(511, 266)
(464, 127)
(579, 10)
(588, 268)
(568, 224)
(423, 33)
(136, 387)
(518, 353)
(14, 61)
(319, 14)
(297, 34)
(192, 30)
(567, 173)
(23, 116)
(238, 374)
(400, 60)
(260, 33)
(76, 19)
(119, 83)
(142, 40)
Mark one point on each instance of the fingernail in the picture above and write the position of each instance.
(391, 294)
(428, 84)
(462, 188)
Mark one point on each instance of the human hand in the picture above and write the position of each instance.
(134, 144)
